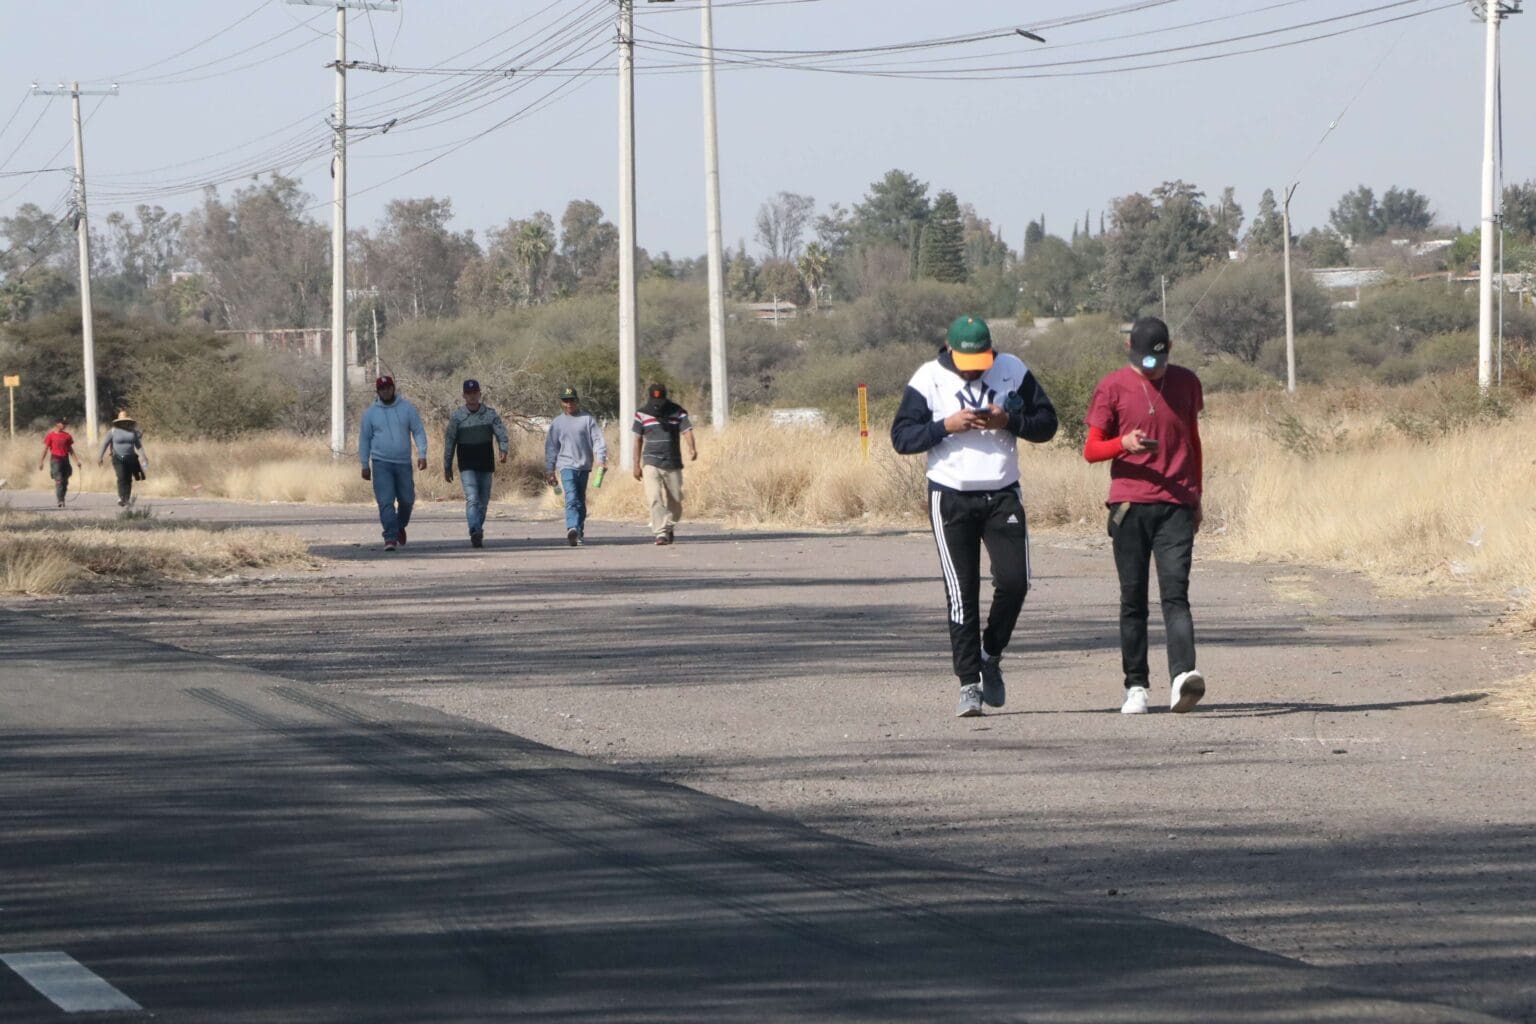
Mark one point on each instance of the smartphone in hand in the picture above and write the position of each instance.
(1150, 444)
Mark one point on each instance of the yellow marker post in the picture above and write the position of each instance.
(864, 419)
(12, 382)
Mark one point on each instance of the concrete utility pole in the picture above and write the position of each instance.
(339, 216)
(1493, 12)
(629, 310)
(719, 385)
(83, 231)
(1290, 310)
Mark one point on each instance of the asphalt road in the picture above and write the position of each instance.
(1344, 798)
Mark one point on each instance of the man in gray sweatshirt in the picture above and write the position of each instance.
(574, 441)
(472, 429)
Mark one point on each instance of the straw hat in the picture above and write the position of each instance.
(123, 419)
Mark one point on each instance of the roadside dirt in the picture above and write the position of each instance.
(1345, 795)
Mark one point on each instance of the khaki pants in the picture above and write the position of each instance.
(664, 492)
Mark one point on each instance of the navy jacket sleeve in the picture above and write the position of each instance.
(1036, 422)
(914, 429)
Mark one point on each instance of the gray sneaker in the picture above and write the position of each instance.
(993, 692)
(970, 701)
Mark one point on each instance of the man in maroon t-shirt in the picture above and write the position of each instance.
(1145, 417)
(58, 449)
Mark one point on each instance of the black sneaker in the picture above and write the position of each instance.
(477, 539)
(993, 692)
(572, 537)
(970, 701)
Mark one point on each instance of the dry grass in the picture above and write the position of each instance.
(1516, 700)
(39, 555)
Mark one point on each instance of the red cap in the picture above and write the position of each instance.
(383, 382)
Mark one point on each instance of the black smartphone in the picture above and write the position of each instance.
(1150, 444)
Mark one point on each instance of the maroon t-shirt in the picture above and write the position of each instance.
(1167, 410)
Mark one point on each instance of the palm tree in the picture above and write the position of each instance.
(534, 246)
(814, 264)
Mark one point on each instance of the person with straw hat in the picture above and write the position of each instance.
(129, 461)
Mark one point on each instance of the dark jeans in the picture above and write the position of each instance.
(962, 523)
(60, 470)
(127, 470)
(1165, 533)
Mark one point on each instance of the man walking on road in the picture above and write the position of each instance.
(129, 460)
(58, 449)
(575, 441)
(471, 430)
(967, 409)
(661, 426)
(1144, 421)
(384, 448)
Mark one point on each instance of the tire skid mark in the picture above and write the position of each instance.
(373, 752)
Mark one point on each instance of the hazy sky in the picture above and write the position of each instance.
(1014, 148)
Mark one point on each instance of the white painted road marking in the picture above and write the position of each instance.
(70, 986)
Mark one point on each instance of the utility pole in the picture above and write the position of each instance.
(1493, 12)
(1290, 311)
(339, 216)
(83, 232)
(629, 311)
(719, 386)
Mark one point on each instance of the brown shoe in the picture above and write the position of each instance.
(663, 540)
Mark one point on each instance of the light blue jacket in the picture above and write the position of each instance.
(386, 432)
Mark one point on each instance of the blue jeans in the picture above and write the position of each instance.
(574, 483)
(477, 496)
(394, 483)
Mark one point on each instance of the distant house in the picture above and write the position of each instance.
(774, 311)
(1352, 278)
(306, 341)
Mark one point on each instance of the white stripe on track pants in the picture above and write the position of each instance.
(962, 522)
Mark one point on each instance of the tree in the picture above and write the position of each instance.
(815, 263)
(1168, 234)
(589, 248)
(38, 265)
(265, 263)
(1051, 278)
(1323, 248)
(741, 275)
(1405, 212)
(1357, 216)
(781, 224)
(535, 245)
(1229, 215)
(780, 280)
(1267, 232)
(415, 259)
(943, 248)
(834, 230)
(147, 248)
(1238, 308)
(983, 246)
(1033, 234)
(1520, 211)
(893, 211)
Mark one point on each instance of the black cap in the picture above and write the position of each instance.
(471, 385)
(1149, 343)
(657, 391)
(568, 394)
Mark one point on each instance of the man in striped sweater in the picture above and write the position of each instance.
(471, 430)
(966, 409)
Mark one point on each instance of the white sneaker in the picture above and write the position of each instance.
(1188, 688)
(1135, 701)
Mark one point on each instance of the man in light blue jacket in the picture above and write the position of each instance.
(384, 448)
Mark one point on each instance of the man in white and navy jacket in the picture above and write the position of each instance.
(966, 409)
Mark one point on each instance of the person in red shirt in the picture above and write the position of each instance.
(1144, 421)
(58, 449)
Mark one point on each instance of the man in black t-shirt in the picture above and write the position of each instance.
(661, 427)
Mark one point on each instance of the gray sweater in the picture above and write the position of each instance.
(122, 442)
(572, 442)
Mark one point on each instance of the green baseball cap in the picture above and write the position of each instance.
(970, 343)
(567, 394)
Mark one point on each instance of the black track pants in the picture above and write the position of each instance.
(962, 523)
(1164, 534)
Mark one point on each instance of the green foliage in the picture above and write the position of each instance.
(47, 354)
(917, 312)
(828, 378)
(1053, 280)
(1455, 404)
(214, 393)
(1069, 360)
(1306, 439)
(1229, 373)
(1236, 307)
(893, 211)
(1323, 248)
(1267, 232)
(1520, 211)
(1359, 216)
(943, 250)
(1169, 233)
